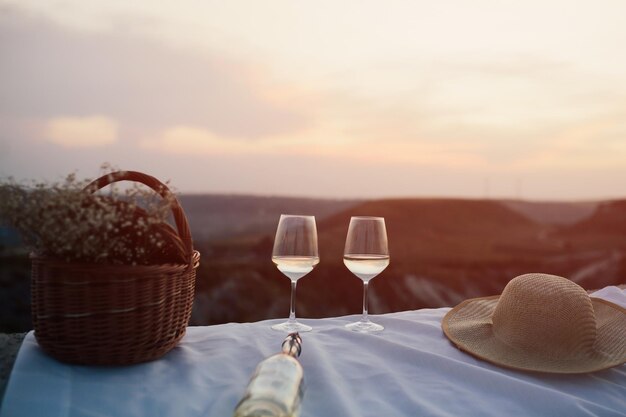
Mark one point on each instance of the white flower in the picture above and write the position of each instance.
(61, 220)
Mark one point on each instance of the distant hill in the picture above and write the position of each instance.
(435, 228)
(553, 212)
(442, 252)
(214, 216)
(609, 218)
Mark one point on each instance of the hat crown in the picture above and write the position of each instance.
(545, 313)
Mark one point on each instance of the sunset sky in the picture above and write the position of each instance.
(320, 98)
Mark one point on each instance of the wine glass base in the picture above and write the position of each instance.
(364, 327)
(292, 326)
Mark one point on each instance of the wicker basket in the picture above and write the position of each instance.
(99, 314)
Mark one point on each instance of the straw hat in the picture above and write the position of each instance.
(541, 323)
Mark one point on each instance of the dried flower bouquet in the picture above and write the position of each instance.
(69, 221)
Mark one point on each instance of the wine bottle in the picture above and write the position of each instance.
(275, 389)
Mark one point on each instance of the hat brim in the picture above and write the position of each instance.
(469, 327)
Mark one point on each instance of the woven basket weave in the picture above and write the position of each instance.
(101, 314)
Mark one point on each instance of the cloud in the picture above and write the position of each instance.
(144, 84)
(324, 144)
(81, 132)
(196, 141)
(187, 140)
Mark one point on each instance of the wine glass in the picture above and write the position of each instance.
(366, 255)
(295, 254)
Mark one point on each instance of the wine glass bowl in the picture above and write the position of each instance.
(366, 266)
(366, 255)
(295, 254)
(295, 267)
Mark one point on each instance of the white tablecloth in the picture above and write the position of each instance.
(410, 369)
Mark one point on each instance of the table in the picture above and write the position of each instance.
(410, 369)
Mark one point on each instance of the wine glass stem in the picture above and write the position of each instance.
(292, 307)
(364, 318)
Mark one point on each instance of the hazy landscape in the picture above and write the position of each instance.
(442, 251)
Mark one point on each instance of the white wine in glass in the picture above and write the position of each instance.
(295, 255)
(366, 255)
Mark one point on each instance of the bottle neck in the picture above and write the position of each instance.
(292, 345)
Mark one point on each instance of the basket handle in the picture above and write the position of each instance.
(182, 225)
